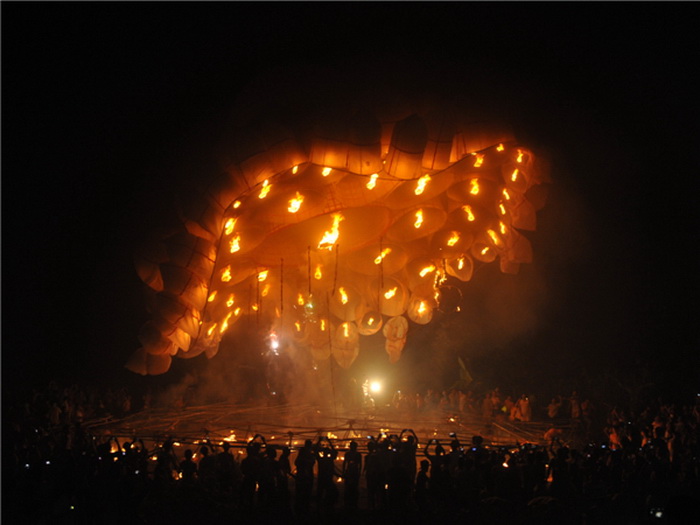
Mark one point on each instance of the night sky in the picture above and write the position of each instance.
(107, 108)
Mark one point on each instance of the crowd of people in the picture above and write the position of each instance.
(641, 467)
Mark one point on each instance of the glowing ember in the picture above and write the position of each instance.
(326, 171)
(460, 263)
(370, 321)
(422, 307)
(330, 237)
(372, 181)
(419, 219)
(295, 203)
(237, 311)
(297, 325)
(453, 239)
(265, 290)
(266, 187)
(380, 257)
(346, 330)
(520, 156)
(474, 187)
(425, 271)
(506, 194)
(502, 228)
(420, 185)
(485, 250)
(235, 244)
(230, 224)
(343, 295)
(300, 300)
(390, 293)
(479, 159)
(226, 274)
(494, 237)
(211, 297)
(262, 275)
(323, 325)
(236, 205)
(500, 148)
(295, 169)
(514, 175)
(470, 213)
(224, 325)
(229, 301)
(318, 274)
(502, 208)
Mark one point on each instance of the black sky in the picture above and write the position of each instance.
(105, 105)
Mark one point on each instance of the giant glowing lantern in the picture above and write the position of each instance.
(336, 232)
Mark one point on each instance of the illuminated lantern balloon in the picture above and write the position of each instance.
(371, 323)
(356, 220)
(395, 331)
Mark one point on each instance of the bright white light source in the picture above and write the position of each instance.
(375, 387)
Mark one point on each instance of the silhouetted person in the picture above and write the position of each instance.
(421, 492)
(188, 469)
(326, 454)
(251, 467)
(352, 470)
(304, 464)
(207, 469)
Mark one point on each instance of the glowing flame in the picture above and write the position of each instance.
(494, 237)
(453, 239)
(326, 171)
(331, 236)
(390, 293)
(506, 194)
(263, 275)
(295, 169)
(514, 175)
(266, 187)
(502, 208)
(235, 244)
(231, 437)
(343, 295)
(380, 257)
(425, 271)
(419, 219)
(318, 274)
(323, 325)
(470, 213)
(254, 307)
(226, 274)
(420, 185)
(460, 263)
(502, 227)
(224, 325)
(520, 156)
(331, 435)
(346, 330)
(236, 205)
(300, 300)
(230, 224)
(211, 297)
(422, 307)
(295, 203)
(211, 330)
(265, 290)
(485, 250)
(237, 311)
(372, 181)
(230, 301)
(474, 187)
(479, 159)
(370, 321)
(500, 147)
(297, 325)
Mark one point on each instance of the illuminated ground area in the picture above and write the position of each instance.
(292, 424)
